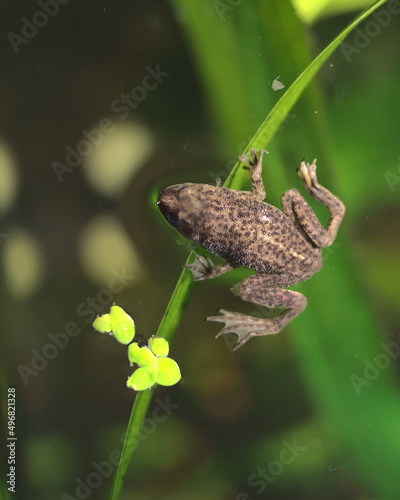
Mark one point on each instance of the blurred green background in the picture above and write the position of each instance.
(103, 104)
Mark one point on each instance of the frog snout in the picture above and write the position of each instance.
(168, 204)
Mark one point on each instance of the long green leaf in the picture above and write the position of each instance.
(282, 108)
(260, 140)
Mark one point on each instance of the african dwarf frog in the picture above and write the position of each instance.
(283, 247)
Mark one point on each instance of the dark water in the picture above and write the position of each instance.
(103, 104)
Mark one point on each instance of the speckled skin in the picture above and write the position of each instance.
(283, 247)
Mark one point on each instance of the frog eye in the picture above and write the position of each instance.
(174, 222)
(169, 205)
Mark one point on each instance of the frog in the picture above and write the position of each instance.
(283, 247)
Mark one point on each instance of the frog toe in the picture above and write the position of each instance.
(201, 267)
(250, 159)
(308, 174)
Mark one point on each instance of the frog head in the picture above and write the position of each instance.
(184, 206)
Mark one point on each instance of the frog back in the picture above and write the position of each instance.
(254, 234)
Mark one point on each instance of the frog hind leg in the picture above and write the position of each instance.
(255, 289)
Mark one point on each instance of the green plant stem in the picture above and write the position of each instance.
(166, 329)
(262, 137)
(138, 414)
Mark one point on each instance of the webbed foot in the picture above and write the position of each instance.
(243, 325)
(253, 289)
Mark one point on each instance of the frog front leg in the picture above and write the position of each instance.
(203, 268)
(257, 289)
(255, 165)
